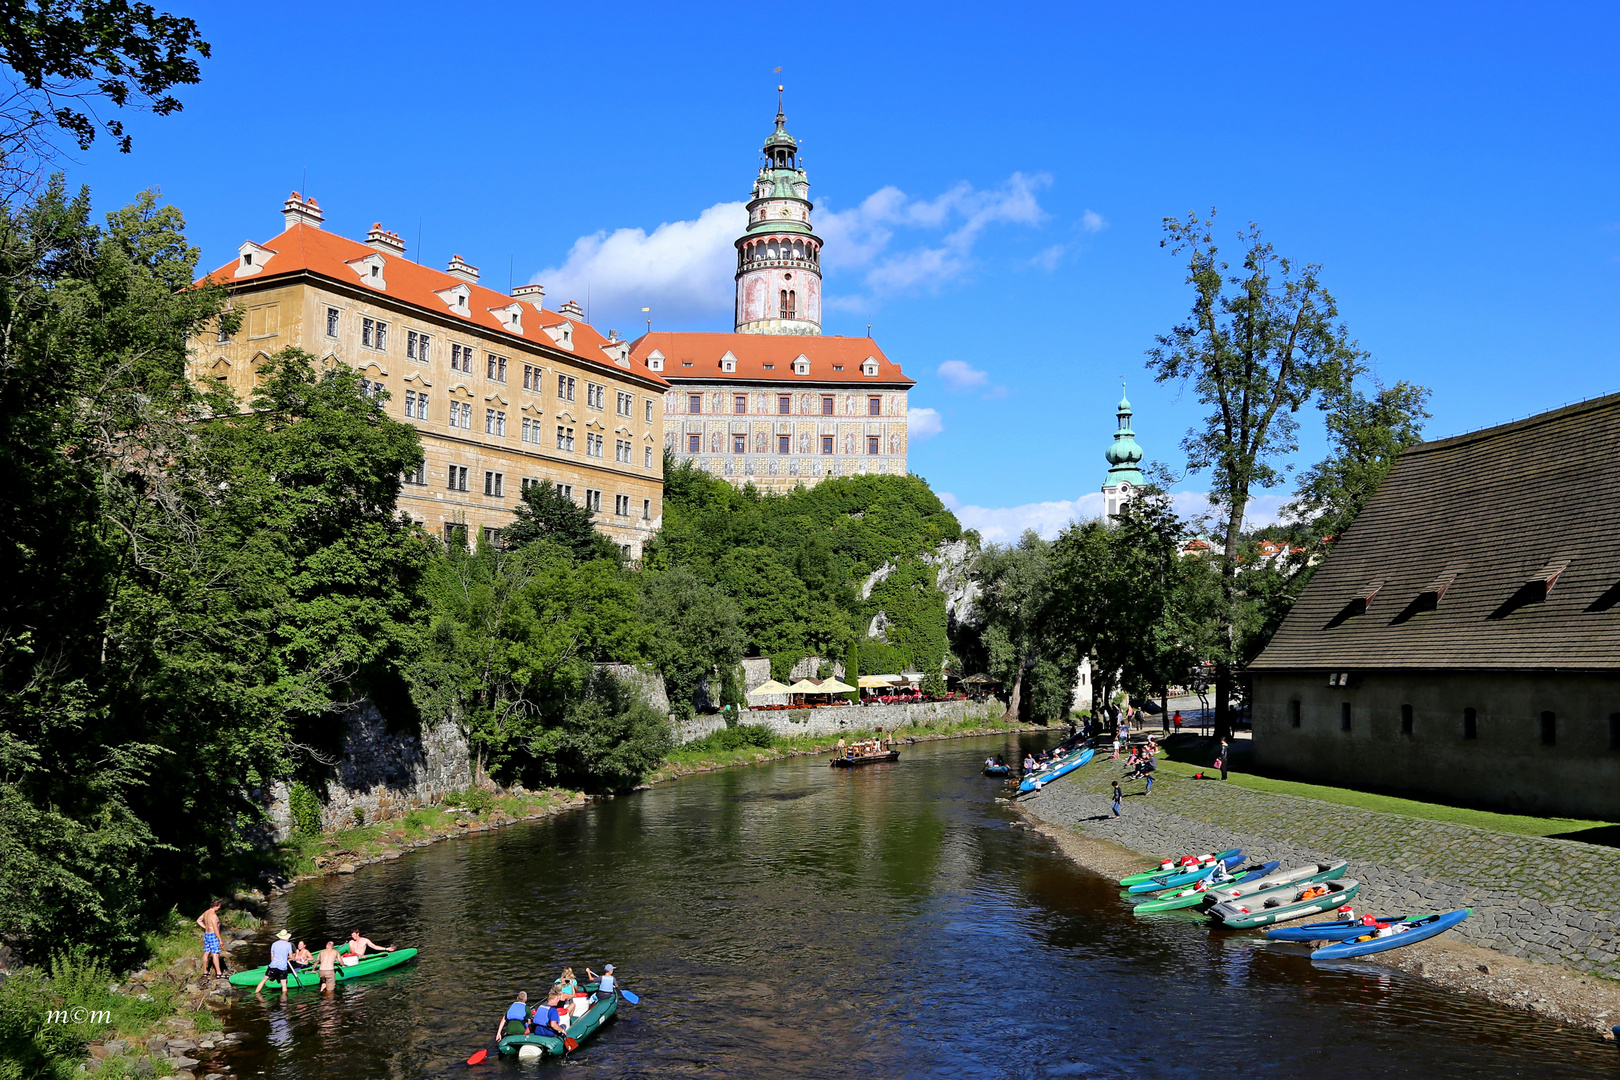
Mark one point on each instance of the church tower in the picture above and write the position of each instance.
(778, 257)
(1124, 464)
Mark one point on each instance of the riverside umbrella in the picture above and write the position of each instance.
(833, 686)
(877, 682)
(768, 688)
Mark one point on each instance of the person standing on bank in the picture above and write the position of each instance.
(1118, 796)
(1226, 756)
(209, 921)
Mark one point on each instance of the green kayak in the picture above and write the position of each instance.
(310, 979)
(582, 1028)
(1175, 866)
(1251, 912)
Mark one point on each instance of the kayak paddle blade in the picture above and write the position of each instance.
(634, 999)
(478, 1058)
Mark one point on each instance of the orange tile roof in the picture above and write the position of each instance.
(306, 248)
(754, 351)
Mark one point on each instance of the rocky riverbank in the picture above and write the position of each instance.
(1403, 862)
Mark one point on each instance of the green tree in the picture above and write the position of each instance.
(1016, 584)
(610, 737)
(545, 512)
(1258, 345)
(697, 631)
(1367, 436)
(852, 670)
(69, 61)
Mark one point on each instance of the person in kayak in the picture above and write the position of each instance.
(607, 983)
(548, 1019)
(566, 983)
(516, 1012)
(358, 944)
(280, 962)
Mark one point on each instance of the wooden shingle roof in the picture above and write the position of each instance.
(1495, 550)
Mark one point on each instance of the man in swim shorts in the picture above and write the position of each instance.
(326, 961)
(209, 921)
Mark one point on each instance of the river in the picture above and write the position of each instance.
(793, 920)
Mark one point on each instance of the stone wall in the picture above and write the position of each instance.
(649, 684)
(1535, 897)
(1505, 765)
(383, 774)
(841, 719)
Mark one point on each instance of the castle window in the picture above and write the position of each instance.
(593, 500)
(331, 322)
(646, 457)
(565, 438)
(826, 444)
(827, 405)
(784, 404)
(694, 444)
(1549, 729)
(457, 480)
(417, 475)
(649, 410)
(495, 423)
(646, 509)
(492, 483)
(694, 403)
(739, 403)
(1470, 724)
(495, 369)
(455, 533)
(565, 388)
(373, 334)
(874, 406)
(416, 346)
(492, 537)
(784, 444)
(461, 358)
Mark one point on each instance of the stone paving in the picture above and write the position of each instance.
(1548, 900)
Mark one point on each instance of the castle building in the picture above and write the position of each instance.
(775, 403)
(503, 391)
(1124, 464)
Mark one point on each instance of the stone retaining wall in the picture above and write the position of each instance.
(383, 773)
(1543, 899)
(838, 719)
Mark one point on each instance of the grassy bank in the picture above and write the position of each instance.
(1389, 804)
(51, 1018)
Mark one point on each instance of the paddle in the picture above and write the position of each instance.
(634, 999)
(478, 1058)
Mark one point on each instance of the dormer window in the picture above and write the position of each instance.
(869, 366)
(801, 366)
(376, 271)
(251, 258)
(247, 258)
(461, 301)
(655, 361)
(728, 363)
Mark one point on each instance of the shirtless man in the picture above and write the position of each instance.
(358, 945)
(209, 921)
(326, 960)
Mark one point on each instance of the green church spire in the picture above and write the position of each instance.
(1124, 456)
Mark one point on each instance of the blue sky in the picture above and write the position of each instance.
(991, 183)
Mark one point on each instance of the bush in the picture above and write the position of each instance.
(305, 807)
(740, 737)
(479, 800)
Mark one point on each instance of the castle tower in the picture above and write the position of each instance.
(1124, 463)
(778, 257)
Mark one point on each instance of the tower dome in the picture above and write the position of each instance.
(1124, 462)
(778, 256)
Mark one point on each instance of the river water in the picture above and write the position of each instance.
(793, 920)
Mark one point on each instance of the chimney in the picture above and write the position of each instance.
(572, 310)
(613, 336)
(461, 268)
(298, 210)
(531, 294)
(386, 242)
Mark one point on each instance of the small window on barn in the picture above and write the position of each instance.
(1549, 729)
(1406, 719)
(1470, 724)
(1293, 713)
(1344, 716)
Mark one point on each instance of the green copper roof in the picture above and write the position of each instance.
(1124, 456)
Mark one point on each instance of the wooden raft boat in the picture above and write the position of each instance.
(850, 761)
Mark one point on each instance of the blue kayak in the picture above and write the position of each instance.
(997, 770)
(1062, 768)
(1419, 930)
(1226, 859)
(1330, 931)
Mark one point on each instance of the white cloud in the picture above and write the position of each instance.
(682, 270)
(1092, 222)
(889, 243)
(1048, 258)
(1005, 524)
(923, 423)
(958, 375)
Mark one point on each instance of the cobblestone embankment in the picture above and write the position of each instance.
(1543, 900)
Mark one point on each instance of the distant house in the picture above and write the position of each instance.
(1462, 638)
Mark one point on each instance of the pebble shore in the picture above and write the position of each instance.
(1513, 955)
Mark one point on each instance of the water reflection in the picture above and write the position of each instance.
(794, 920)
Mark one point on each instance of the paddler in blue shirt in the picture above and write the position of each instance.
(548, 1019)
(517, 1012)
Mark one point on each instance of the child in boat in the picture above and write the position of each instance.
(607, 983)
